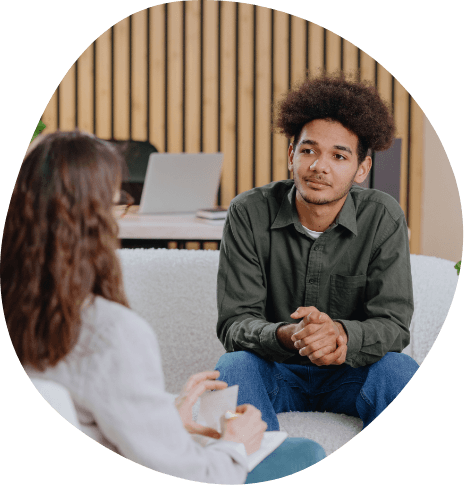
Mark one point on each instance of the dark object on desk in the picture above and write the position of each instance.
(136, 155)
(167, 244)
(385, 174)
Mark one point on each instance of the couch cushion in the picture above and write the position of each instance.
(330, 430)
(175, 291)
(434, 285)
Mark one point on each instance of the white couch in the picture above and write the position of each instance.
(175, 291)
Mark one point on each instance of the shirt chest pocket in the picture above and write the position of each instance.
(347, 296)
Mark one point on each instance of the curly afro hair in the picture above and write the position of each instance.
(356, 105)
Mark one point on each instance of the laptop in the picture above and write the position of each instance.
(180, 182)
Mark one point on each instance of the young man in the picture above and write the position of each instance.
(314, 283)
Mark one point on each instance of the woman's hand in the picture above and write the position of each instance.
(247, 428)
(193, 389)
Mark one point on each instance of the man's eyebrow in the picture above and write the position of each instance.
(337, 147)
(342, 148)
(308, 142)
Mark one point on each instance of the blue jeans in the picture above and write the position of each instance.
(293, 455)
(275, 388)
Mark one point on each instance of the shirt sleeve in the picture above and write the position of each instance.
(242, 293)
(388, 301)
(126, 396)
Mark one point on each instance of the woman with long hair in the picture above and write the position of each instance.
(70, 322)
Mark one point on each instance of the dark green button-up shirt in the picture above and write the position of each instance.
(358, 272)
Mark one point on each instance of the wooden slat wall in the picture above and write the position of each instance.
(203, 76)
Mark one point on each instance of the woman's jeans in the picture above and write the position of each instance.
(275, 388)
(293, 455)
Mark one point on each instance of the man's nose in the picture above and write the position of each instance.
(320, 164)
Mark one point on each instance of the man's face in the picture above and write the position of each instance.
(325, 163)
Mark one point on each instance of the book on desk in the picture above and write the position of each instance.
(215, 216)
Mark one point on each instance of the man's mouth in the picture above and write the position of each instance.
(316, 182)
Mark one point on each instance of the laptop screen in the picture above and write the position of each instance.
(181, 182)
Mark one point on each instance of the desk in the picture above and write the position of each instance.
(164, 227)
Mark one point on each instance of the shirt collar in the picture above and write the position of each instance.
(347, 216)
(288, 214)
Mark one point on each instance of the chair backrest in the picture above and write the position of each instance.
(136, 155)
(58, 397)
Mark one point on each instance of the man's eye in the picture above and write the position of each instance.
(307, 150)
(338, 156)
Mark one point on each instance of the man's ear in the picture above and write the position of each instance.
(290, 157)
(363, 170)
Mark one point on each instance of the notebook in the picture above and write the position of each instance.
(180, 182)
(215, 404)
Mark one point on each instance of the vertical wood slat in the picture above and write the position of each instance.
(384, 85)
(350, 60)
(192, 77)
(245, 98)
(263, 101)
(50, 115)
(210, 79)
(401, 123)
(415, 176)
(157, 70)
(316, 49)
(175, 72)
(298, 50)
(85, 118)
(280, 75)
(103, 94)
(121, 80)
(67, 103)
(367, 68)
(228, 115)
(139, 76)
(333, 61)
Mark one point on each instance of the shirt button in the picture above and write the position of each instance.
(311, 282)
(316, 248)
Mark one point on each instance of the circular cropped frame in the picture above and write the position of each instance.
(416, 438)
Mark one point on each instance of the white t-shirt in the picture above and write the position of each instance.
(313, 234)
(116, 382)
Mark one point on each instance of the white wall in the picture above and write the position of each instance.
(441, 232)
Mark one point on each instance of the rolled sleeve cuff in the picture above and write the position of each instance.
(269, 341)
(355, 339)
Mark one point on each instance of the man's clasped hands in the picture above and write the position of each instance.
(316, 336)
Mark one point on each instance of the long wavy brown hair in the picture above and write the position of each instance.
(59, 244)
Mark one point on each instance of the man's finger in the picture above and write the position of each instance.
(315, 355)
(312, 333)
(302, 311)
(313, 345)
(306, 331)
(330, 358)
(341, 340)
(313, 317)
(342, 358)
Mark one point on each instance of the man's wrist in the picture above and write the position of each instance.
(341, 329)
(284, 336)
